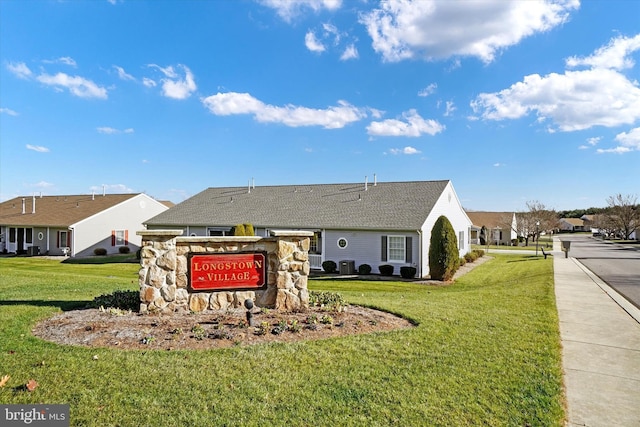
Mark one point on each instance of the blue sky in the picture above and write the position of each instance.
(512, 101)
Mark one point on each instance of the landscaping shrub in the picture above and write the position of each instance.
(463, 260)
(99, 251)
(364, 269)
(386, 270)
(443, 250)
(330, 300)
(479, 253)
(123, 300)
(124, 249)
(248, 230)
(408, 272)
(239, 230)
(471, 256)
(329, 266)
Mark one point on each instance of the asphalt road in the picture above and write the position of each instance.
(617, 264)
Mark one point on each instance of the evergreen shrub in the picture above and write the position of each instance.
(408, 272)
(364, 269)
(239, 230)
(329, 266)
(444, 259)
(99, 251)
(386, 270)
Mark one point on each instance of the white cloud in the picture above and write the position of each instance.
(412, 126)
(594, 141)
(429, 90)
(173, 85)
(574, 101)
(78, 86)
(289, 9)
(628, 142)
(42, 184)
(406, 150)
(148, 82)
(450, 108)
(110, 131)
(38, 148)
(19, 69)
(497, 165)
(67, 61)
(615, 55)
(111, 188)
(577, 99)
(437, 29)
(312, 43)
(231, 103)
(8, 111)
(123, 74)
(350, 52)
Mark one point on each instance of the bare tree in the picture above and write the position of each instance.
(623, 213)
(537, 219)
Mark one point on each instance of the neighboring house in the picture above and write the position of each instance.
(74, 225)
(353, 224)
(572, 224)
(589, 223)
(494, 228)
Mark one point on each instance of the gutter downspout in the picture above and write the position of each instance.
(419, 253)
(72, 251)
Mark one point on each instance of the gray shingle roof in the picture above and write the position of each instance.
(386, 205)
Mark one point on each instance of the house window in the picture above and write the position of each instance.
(12, 235)
(396, 248)
(218, 232)
(28, 235)
(120, 238)
(63, 239)
(461, 239)
(315, 245)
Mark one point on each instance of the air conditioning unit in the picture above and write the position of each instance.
(348, 267)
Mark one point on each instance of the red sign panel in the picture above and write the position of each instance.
(213, 272)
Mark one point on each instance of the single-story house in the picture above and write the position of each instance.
(75, 225)
(494, 228)
(572, 224)
(353, 224)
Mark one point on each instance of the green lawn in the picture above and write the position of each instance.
(486, 351)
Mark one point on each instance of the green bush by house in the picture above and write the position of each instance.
(443, 250)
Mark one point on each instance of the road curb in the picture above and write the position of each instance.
(632, 310)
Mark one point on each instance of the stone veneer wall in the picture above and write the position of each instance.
(164, 285)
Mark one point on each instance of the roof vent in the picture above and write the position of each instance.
(375, 180)
(24, 207)
(366, 181)
(33, 205)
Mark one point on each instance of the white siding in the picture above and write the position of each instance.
(129, 215)
(448, 205)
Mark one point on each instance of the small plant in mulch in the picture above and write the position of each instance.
(262, 328)
(326, 320)
(147, 340)
(198, 332)
(311, 319)
(294, 326)
(280, 327)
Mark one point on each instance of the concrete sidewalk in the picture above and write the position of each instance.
(600, 334)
